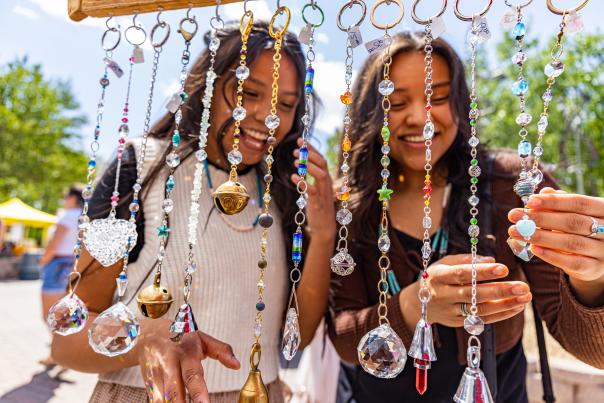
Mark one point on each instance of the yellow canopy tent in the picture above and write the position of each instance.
(15, 211)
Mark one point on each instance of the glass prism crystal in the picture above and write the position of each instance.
(554, 69)
(114, 332)
(426, 250)
(519, 58)
(239, 113)
(386, 87)
(473, 200)
(301, 202)
(344, 216)
(291, 335)
(524, 119)
(184, 322)
(427, 222)
(547, 96)
(108, 239)
(168, 206)
(272, 121)
(521, 249)
(473, 141)
(242, 72)
(473, 324)
(428, 131)
(122, 283)
(381, 352)
(67, 316)
(536, 175)
(481, 33)
(235, 157)
(172, 160)
(384, 243)
(542, 124)
(342, 263)
(214, 44)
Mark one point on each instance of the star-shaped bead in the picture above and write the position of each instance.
(164, 230)
(385, 193)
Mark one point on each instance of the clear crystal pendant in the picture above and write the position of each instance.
(114, 332)
(108, 239)
(67, 316)
(473, 387)
(342, 263)
(521, 249)
(381, 352)
(291, 335)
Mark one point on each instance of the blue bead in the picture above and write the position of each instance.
(309, 79)
(524, 148)
(297, 242)
(92, 163)
(519, 30)
(520, 87)
(260, 306)
(297, 257)
(302, 169)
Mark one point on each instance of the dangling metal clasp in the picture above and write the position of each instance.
(188, 35)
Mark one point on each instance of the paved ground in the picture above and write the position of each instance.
(23, 341)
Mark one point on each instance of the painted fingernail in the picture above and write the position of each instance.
(519, 290)
(534, 201)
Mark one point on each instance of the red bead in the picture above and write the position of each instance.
(114, 198)
(425, 275)
(421, 377)
(131, 59)
(428, 107)
(427, 189)
(122, 140)
(125, 109)
(125, 120)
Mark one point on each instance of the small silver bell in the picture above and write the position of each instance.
(184, 322)
(422, 350)
(473, 387)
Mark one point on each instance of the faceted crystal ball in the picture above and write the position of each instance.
(68, 316)
(114, 332)
(382, 353)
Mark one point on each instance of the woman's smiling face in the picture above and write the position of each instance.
(407, 115)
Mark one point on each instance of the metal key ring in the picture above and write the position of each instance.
(110, 30)
(188, 35)
(137, 28)
(216, 22)
(279, 11)
(159, 26)
(314, 6)
(246, 28)
(560, 11)
(398, 19)
(519, 5)
(429, 20)
(462, 17)
(347, 6)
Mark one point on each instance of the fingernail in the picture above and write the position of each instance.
(536, 249)
(534, 201)
(519, 290)
(499, 270)
(524, 299)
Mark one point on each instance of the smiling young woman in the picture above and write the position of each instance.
(567, 309)
(224, 287)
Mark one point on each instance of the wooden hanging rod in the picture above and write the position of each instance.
(80, 9)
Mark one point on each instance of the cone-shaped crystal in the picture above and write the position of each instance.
(382, 353)
(67, 316)
(422, 346)
(473, 388)
(114, 332)
(291, 335)
(521, 249)
(184, 322)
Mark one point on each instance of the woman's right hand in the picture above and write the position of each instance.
(450, 280)
(169, 368)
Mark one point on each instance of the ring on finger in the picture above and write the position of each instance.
(596, 228)
(463, 309)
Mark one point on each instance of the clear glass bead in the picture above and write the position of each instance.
(381, 352)
(385, 149)
(524, 119)
(191, 268)
(473, 200)
(519, 58)
(214, 44)
(344, 216)
(173, 160)
(386, 87)
(347, 120)
(474, 170)
(301, 202)
(547, 96)
(384, 243)
(426, 250)
(272, 121)
(385, 173)
(306, 119)
(428, 131)
(269, 159)
(542, 124)
(473, 325)
(235, 157)
(242, 72)
(554, 69)
(427, 222)
(168, 206)
(345, 168)
(473, 230)
(239, 113)
(291, 335)
(473, 141)
(201, 155)
(123, 130)
(538, 151)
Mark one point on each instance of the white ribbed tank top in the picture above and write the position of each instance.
(224, 286)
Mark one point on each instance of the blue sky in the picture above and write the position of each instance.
(71, 51)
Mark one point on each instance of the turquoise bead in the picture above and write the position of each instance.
(525, 148)
(520, 87)
(519, 30)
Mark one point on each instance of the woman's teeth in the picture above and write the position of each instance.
(414, 139)
(256, 135)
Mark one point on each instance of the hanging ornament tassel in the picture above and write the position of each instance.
(232, 197)
(381, 351)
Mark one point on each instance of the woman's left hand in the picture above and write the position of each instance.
(320, 210)
(564, 233)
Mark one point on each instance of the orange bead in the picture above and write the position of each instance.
(343, 196)
(346, 144)
(346, 98)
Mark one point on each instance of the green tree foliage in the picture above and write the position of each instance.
(575, 136)
(38, 132)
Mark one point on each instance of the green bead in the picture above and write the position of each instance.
(184, 95)
(474, 241)
(472, 122)
(473, 105)
(473, 221)
(176, 139)
(385, 133)
(384, 193)
(474, 180)
(385, 161)
(474, 161)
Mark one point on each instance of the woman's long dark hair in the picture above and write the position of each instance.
(284, 193)
(367, 121)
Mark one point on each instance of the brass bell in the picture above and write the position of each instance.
(254, 390)
(231, 197)
(154, 300)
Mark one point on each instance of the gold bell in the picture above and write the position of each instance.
(254, 390)
(231, 197)
(154, 300)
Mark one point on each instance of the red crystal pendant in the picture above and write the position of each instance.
(421, 375)
(478, 388)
